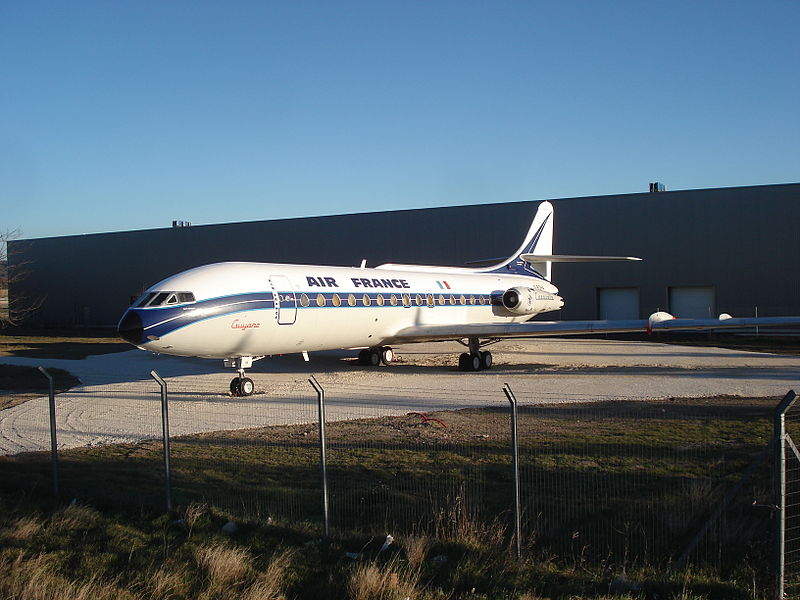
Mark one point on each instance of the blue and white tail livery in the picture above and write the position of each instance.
(243, 311)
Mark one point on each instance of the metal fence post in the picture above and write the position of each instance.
(53, 438)
(779, 437)
(322, 458)
(515, 453)
(165, 438)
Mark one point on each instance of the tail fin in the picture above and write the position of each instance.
(535, 256)
(538, 241)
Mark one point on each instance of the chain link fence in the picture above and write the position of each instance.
(616, 483)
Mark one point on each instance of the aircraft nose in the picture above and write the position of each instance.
(130, 328)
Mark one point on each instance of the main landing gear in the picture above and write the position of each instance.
(242, 385)
(372, 357)
(476, 359)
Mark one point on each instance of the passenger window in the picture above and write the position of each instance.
(452, 300)
(393, 300)
(320, 300)
(481, 299)
(441, 300)
(337, 301)
(304, 300)
(406, 300)
(379, 299)
(365, 300)
(418, 300)
(351, 300)
(472, 299)
(430, 299)
(462, 300)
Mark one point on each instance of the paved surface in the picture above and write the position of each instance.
(119, 402)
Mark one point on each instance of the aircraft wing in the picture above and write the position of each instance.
(529, 329)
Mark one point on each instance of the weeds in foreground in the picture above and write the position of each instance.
(79, 553)
(392, 581)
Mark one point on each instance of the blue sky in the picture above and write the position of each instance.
(127, 115)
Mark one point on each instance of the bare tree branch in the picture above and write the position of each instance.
(14, 308)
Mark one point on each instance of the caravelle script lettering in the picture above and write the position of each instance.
(239, 325)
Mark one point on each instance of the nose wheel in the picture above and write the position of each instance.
(242, 386)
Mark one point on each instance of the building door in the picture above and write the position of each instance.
(285, 299)
(692, 302)
(617, 303)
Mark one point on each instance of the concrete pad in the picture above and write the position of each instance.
(119, 402)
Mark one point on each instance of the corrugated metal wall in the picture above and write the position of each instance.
(740, 241)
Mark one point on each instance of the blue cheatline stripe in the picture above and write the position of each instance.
(164, 320)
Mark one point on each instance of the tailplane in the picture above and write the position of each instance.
(535, 256)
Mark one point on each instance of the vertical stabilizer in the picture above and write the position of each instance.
(539, 240)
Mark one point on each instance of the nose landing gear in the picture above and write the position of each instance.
(241, 385)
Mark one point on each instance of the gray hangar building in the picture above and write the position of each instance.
(705, 252)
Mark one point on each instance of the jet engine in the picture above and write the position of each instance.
(527, 301)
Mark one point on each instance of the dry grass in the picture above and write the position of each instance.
(35, 579)
(74, 516)
(459, 525)
(392, 581)
(224, 564)
(169, 582)
(271, 581)
(193, 513)
(24, 529)
(417, 548)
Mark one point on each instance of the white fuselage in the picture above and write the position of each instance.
(257, 309)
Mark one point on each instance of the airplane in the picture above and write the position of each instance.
(243, 311)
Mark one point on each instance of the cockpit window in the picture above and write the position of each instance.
(145, 299)
(153, 299)
(159, 299)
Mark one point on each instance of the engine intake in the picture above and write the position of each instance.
(527, 301)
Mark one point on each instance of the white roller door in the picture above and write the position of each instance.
(692, 302)
(618, 303)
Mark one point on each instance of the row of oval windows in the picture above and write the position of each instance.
(395, 300)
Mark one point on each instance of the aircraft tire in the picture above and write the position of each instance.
(387, 355)
(463, 362)
(363, 357)
(236, 390)
(246, 387)
(474, 362)
(374, 357)
(486, 360)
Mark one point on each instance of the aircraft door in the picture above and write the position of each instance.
(285, 299)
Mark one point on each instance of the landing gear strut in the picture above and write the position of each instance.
(374, 356)
(241, 385)
(476, 359)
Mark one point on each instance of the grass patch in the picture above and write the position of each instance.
(66, 344)
(611, 492)
(19, 384)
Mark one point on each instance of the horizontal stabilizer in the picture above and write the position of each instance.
(564, 258)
